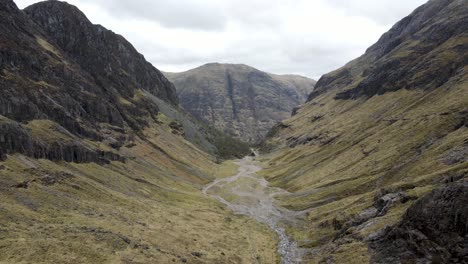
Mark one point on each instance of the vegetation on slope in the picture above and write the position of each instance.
(148, 208)
(372, 139)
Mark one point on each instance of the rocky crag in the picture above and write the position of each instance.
(433, 229)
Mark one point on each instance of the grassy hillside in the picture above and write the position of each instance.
(372, 140)
(148, 208)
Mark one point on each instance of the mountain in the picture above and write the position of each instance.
(375, 136)
(238, 99)
(115, 65)
(98, 164)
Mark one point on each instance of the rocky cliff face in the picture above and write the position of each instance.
(110, 59)
(17, 138)
(240, 100)
(377, 135)
(40, 81)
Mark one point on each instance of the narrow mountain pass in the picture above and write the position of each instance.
(248, 194)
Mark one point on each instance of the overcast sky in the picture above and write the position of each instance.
(308, 37)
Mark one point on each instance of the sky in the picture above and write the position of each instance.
(306, 37)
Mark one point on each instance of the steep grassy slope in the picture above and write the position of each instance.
(377, 134)
(240, 100)
(95, 166)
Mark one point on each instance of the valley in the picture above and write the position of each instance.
(106, 159)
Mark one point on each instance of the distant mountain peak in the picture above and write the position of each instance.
(239, 99)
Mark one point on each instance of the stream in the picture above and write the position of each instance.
(248, 194)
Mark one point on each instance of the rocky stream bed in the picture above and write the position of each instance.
(248, 194)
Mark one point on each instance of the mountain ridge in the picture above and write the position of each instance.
(379, 69)
(65, 24)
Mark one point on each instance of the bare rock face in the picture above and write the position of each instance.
(39, 81)
(240, 100)
(15, 138)
(109, 58)
(433, 230)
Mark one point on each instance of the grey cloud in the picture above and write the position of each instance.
(188, 14)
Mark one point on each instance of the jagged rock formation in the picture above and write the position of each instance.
(433, 230)
(378, 134)
(39, 81)
(240, 100)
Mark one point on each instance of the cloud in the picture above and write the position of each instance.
(308, 37)
(383, 12)
(194, 14)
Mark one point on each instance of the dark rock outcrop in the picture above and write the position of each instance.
(40, 81)
(14, 138)
(433, 230)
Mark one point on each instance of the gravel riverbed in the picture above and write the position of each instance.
(248, 194)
